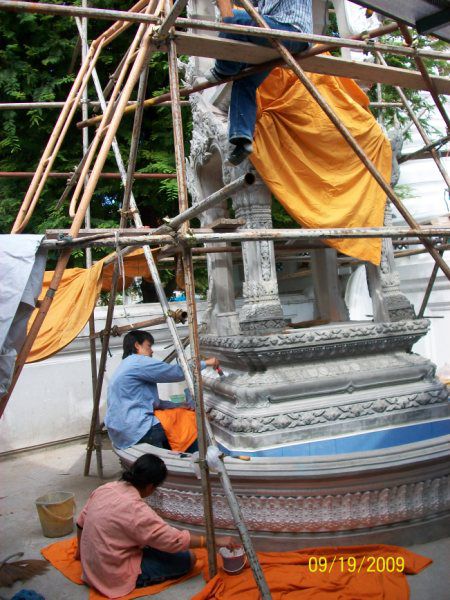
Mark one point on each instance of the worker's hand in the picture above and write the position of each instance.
(212, 362)
(226, 541)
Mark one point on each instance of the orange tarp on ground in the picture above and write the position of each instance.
(308, 165)
(75, 300)
(290, 577)
(62, 556)
(287, 574)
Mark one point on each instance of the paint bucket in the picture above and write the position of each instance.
(56, 511)
(233, 560)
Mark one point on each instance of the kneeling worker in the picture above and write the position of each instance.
(123, 543)
(133, 394)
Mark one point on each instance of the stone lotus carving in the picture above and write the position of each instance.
(312, 513)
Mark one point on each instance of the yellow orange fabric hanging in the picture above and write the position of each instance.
(75, 300)
(308, 165)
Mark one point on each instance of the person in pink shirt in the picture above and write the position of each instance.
(123, 543)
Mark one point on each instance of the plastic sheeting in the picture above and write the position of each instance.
(22, 266)
(308, 165)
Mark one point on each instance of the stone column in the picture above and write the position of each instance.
(329, 301)
(261, 312)
(389, 303)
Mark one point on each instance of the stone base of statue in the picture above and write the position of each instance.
(319, 383)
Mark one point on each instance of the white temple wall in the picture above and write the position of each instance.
(53, 398)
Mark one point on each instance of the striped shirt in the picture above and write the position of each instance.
(297, 13)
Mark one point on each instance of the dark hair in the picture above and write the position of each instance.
(147, 469)
(132, 337)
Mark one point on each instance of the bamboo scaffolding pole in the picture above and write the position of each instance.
(101, 370)
(132, 16)
(45, 303)
(379, 105)
(83, 31)
(66, 175)
(299, 253)
(108, 140)
(129, 17)
(426, 76)
(429, 289)
(426, 149)
(179, 316)
(123, 222)
(110, 119)
(207, 237)
(420, 129)
(183, 204)
(163, 30)
(185, 92)
(202, 422)
(311, 88)
(55, 140)
(135, 135)
(35, 105)
(403, 253)
(191, 212)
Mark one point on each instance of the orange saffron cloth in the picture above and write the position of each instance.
(75, 299)
(62, 556)
(310, 168)
(180, 427)
(289, 577)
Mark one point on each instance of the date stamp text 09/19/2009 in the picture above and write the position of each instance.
(356, 564)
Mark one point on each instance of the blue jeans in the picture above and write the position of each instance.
(156, 437)
(243, 94)
(157, 566)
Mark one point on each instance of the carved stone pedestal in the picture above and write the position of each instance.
(285, 390)
(328, 381)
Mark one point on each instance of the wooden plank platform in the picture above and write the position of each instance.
(214, 47)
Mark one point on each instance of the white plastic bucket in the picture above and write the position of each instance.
(234, 560)
(56, 511)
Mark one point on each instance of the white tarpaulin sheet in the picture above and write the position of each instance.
(22, 267)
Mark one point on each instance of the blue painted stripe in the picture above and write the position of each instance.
(371, 440)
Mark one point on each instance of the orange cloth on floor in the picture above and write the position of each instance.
(75, 300)
(308, 165)
(62, 556)
(289, 578)
(179, 426)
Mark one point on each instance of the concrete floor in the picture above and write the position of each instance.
(28, 475)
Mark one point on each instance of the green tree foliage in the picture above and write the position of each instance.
(39, 57)
(35, 61)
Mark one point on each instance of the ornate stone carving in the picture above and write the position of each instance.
(384, 282)
(330, 512)
(345, 339)
(343, 412)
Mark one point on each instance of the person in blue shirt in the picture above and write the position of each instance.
(133, 394)
(286, 15)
